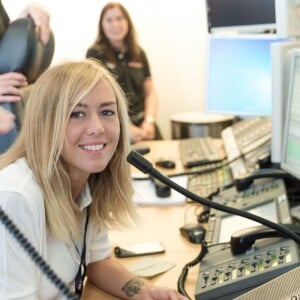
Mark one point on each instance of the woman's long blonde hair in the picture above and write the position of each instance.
(41, 140)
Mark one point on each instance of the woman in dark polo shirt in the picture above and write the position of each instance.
(117, 48)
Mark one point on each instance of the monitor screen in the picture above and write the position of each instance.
(241, 15)
(291, 142)
(239, 76)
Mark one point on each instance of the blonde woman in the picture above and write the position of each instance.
(65, 183)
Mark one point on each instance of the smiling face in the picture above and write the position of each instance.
(92, 133)
(115, 26)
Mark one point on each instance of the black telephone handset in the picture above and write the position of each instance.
(243, 239)
(243, 183)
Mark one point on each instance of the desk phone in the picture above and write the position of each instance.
(269, 200)
(224, 275)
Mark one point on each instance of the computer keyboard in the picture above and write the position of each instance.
(199, 151)
(210, 183)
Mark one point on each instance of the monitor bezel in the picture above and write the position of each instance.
(286, 23)
(281, 54)
(223, 18)
(285, 166)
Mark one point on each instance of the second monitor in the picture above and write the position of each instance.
(239, 75)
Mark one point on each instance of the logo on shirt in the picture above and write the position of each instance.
(135, 64)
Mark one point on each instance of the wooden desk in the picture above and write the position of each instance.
(160, 224)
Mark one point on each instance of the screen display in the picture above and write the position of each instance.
(239, 75)
(240, 13)
(233, 223)
(291, 144)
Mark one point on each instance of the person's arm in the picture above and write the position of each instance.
(110, 276)
(41, 18)
(151, 107)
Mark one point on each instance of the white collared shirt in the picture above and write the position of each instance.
(22, 200)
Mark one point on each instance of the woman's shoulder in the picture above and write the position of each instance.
(18, 177)
(143, 54)
(94, 52)
(19, 166)
(19, 189)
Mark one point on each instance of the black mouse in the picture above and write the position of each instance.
(166, 163)
(194, 233)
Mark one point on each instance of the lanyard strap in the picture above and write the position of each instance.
(79, 279)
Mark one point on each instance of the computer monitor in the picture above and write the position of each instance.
(238, 75)
(241, 15)
(256, 16)
(281, 56)
(291, 142)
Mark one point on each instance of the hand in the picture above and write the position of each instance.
(9, 86)
(6, 121)
(148, 130)
(41, 18)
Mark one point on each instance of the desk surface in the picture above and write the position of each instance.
(160, 224)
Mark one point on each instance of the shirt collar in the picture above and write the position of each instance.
(85, 198)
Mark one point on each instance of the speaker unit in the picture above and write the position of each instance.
(283, 287)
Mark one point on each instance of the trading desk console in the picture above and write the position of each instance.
(224, 276)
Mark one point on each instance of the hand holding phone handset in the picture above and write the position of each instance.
(138, 249)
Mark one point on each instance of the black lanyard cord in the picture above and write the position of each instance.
(79, 279)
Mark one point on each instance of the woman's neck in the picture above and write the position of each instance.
(77, 187)
(119, 46)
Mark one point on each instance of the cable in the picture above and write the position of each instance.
(34, 255)
(185, 270)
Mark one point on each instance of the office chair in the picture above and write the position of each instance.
(22, 51)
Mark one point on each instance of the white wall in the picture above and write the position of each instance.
(173, 34)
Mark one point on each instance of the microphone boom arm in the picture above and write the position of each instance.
(146, 167)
